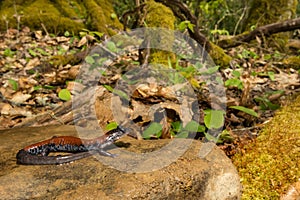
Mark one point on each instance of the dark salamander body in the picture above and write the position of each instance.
(37, 154)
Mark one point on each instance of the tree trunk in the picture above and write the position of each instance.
(288, 25)
(263, 12)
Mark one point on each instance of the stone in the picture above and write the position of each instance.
(143, 169)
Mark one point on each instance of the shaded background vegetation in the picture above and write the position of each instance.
(217, 19)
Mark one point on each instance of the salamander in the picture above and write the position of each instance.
(37, 154)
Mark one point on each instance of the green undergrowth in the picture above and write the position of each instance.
(59, 16)
(270, 164)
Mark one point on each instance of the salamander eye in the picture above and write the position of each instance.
(33, 151)
(121, 128)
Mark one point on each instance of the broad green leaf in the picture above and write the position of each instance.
(245, 110)
(271, 75)
(209, 137)
(224, 137)
(98, 34)
(214, 119)
(182, 134)
(267, 56)
(90, 60)
(154, 129)
(109, 88)
(233, 82)
(236, 73)
(111, 46)
(37, 87)
(266, 103)
(194, 126)
(9, 53)
(191, 26)
(111, 126)
(67, 33)
(211, 70)
(182, 26)
(31, 52)
(64, 94)
(176, 126)
(42, 51)
(120, 93)
(113, 15)
(14, 84)
(49, 87)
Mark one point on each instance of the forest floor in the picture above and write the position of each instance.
(36, 78)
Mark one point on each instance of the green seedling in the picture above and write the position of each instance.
(64, 94)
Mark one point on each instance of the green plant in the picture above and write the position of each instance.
(154, 129)
(266, 104)
(214, 119)
(120, 93)
(245, 110)
(64, 94)
(270, 74)
(219, 32)
(42, 51)
(235, 82)
(110, 45)
(32, 52)
(8, 52)
(14, 84)
(95, 34)
(247, 54)
(177, 130)
(218, 14)
(61, 50)
(224, 137)
(182, 26)
(210, 70)
(113, 16)
(111, 126)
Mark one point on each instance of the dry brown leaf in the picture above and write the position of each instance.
(19, 97)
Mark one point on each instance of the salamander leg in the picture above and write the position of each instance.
(105, 153)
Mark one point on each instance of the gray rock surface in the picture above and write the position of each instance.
(156, 169)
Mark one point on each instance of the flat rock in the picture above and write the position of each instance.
(152, 169)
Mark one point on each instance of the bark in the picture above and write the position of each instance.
(267, 30)
(183, 13)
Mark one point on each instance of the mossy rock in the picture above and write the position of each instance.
(100, 12)
(271, 163)
(219, 56)
(158, 15)
(292, 61)
(59, 16)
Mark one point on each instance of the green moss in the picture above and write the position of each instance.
(35, 13)
(292, 61)
(64, 60)
(158, 15)
(71, 9)
(272, 163)
(59, 16)
(162, 57)
(219, 57)
(99, 12)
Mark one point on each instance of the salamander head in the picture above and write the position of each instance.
(116, 134)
